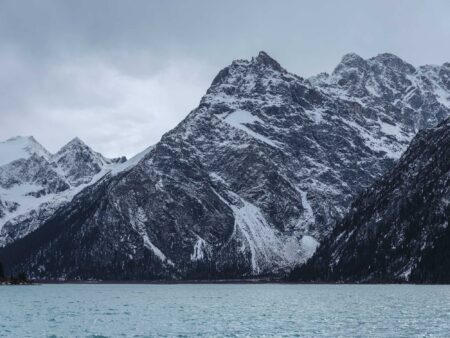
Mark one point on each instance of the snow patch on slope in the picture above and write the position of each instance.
(309, 245)
(316, 115)
(137, 220)
(269, 248)
(240, 118)
(309, 211)
(394, 130)
(379, 144)
(199, 250)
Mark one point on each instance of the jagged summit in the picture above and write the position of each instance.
(76, 142)
(265, 59)
(256, 67)
(353, 60)
(350, 58)
(394, 62)
(386, 57)
(260, 79)
(399, 92)
(79, 162)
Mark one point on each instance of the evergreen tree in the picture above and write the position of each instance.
(22, 277)
(2, 272)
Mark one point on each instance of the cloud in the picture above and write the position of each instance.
(120, 74)
(117, 112)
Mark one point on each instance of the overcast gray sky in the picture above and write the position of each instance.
(119, 74)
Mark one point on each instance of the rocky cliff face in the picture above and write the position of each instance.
(247, 184)
(397, 230)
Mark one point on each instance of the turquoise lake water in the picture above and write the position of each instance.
(233, 310)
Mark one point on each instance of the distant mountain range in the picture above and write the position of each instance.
(247, 184)
(34, 183)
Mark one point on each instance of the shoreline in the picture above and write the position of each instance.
(201, 282)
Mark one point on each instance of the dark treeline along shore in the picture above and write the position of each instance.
(20, 279)
(347, 172)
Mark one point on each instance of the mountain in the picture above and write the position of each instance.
(78, 163)
(247, 184)
(34, 183)
(398, 229)
(20, 147)
(394, 89)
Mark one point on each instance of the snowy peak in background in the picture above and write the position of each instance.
(34, 183)
(351, 61)
(265, 59)
(20, 148)
(392, 62)
(74, 144)
(78, 162)
(416, 97)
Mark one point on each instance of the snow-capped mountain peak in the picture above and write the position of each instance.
(391, 88)
(78, 162)
(20, 147)
(351, 60)
(266, 60)
(34, 183)
(393, 62)
(74, 145)
(75, 142)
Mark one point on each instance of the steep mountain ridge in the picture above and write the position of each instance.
(247, 184)
(398, 229)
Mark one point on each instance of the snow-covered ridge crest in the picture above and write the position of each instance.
(21, 147)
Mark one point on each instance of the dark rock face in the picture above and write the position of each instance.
(398, 229)
(247, 184)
